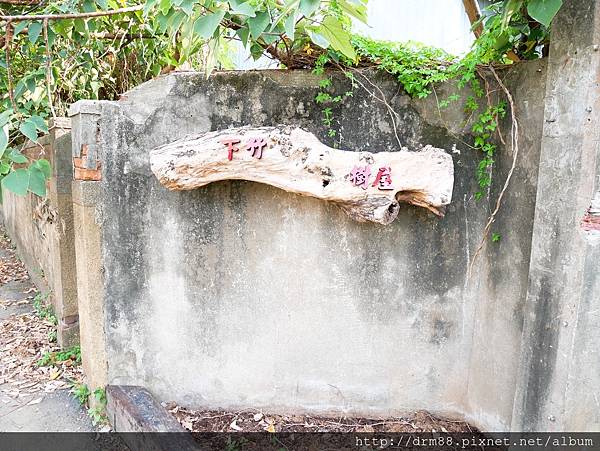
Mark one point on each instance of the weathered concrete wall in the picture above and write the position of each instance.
(90, 289)
(501, 284)
(560, 365)
(239, 294)
(29, 220)
(43, 229)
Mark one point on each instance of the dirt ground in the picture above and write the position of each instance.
(258, 421)
(32, 397)
(245, 430)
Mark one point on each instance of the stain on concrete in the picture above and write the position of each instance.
(237, 293)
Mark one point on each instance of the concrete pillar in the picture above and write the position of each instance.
(88, 233)
(559, 375)
(62, 256)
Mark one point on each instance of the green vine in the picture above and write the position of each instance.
(418, 68)
(324, 96)
(484, 128)
(510, 31)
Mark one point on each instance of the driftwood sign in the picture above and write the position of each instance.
(367, 186)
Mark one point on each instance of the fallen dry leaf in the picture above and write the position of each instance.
(234, 426)
(54, 374)
(24, 340)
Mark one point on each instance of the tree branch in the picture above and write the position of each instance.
(472, 11)
(22, 17)
(21, 2)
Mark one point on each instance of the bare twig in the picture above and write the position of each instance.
(488, 95)
(382, 99)
(445, 124)
(21, 17)
(48, 68)
(514, 132)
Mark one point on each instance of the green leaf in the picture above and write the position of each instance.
(44, 166)
(3, 141)
(543, 10)
(17, 157)
(256, 51)
(29, 129)
(20, 89)
(512, 7)
(4, 168)
(165, 6)
(88, 6)
(174, 21)
(332, 30)
(258, 24)
(290, 26)
(20, 27)
(80, 26)
(40, 123)
(37, 181)
(162, 20)
(5, 116)
(243, 9)
(149, 5)
(34, 31)
(308, 7)
(358, 10)
(318, 38)
(188, 6)
(290, 9)
(244, 34)
(51, 37)
(17, 181)
(103, 4)
(205, 26)
(211, 57)
(30, 83)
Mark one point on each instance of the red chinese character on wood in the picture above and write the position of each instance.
(255, 145)
(229, 142)
(359, 176)
(383, 179)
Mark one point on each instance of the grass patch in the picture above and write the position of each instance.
(53, 358)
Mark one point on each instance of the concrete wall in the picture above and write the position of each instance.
(43, 230)
(33, 218)
(560, 365)
(239, 294)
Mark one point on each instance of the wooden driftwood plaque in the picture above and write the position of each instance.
(367, 186)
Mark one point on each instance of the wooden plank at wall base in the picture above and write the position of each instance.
(133, 409)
